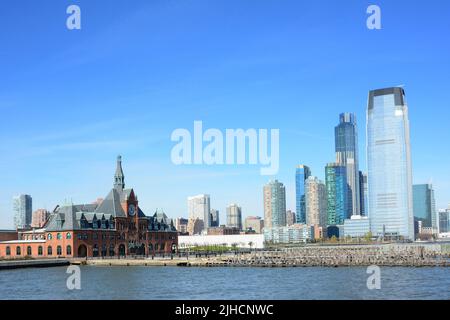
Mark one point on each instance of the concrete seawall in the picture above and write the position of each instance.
(19, 264)
(404, 256)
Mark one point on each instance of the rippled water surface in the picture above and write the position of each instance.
(225, 283)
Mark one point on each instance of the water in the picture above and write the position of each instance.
(137, 283)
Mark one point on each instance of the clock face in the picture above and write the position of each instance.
(131, 210)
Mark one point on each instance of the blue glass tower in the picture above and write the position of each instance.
(337, 192)
(346, 146)
(389, 164)
(302, 173)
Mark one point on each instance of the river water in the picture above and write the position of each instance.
(138, 283)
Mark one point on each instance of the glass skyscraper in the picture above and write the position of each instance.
(424, 205)
(363, 191)
(301, 174)
(336, 184)
(346, 146)
(389, 164)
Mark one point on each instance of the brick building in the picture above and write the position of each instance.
(116, 226)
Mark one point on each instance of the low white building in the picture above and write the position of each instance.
(255, 241)
(296, 233)
(356, 227)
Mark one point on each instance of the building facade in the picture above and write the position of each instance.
(115, 227)
(274, 204)
(316, 202)
(214, 217)
(255, 224)
(234, 216)
(39, 218)
(346, 146)
(389, 164)
(301, 174)
(181, 224)
(337, 192)
(199, 207)
(444, 221)
(356, 227)
(424, 205)
(290, 218)
(23, 208)
(363, 193)
(297, 233)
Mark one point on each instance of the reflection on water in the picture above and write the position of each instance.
(225, 283)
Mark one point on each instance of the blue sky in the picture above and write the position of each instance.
(71, 101)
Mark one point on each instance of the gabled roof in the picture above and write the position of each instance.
(112, 204)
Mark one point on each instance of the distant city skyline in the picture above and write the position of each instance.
(74, 100)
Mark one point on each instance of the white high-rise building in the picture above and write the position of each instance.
(389, 164)
(23, 208)
(199, 207)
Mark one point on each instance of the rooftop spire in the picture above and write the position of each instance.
(119, 178)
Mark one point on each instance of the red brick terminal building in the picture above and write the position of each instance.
(115, 227)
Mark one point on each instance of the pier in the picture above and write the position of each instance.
(42, 263)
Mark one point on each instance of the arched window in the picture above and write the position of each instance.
(58, 236)
(69, 250)
(162, 246)
(58, 250)
(49, 236)
(8, 251)
(156, 247)
(18, 251)
(40, 251)
(29, 252)
(49, 250)
(68, 236)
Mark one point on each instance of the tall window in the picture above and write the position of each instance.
(29, 253)
(68, 236)
(8, 251)
(49, 250)
(18, 251)
(58, 250)
(40, 251)
(69, 250)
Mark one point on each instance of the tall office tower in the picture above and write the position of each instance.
(346, 146)
(199, 208)
(301, 174)
(290, 218)
(316, 202)
(274, 205)
(363, 194)
(337, 192)
(39, 218)
(23, 208)
(389, 164)
(444, 221)
(424, 205)
(234, 216)
(214, 218)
